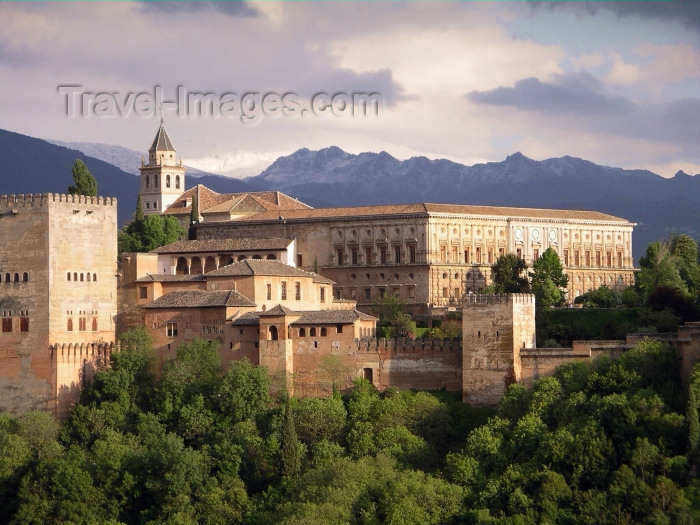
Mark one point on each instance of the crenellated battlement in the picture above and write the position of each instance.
(381, 345)
(476, 300)
(15, 202)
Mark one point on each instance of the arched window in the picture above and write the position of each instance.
(167, 181)
(82, 277)
(25, 277)
(70, 324)
(94, 277)
(271, 257)
(273, 333)
(7, 278)
(177, 182)
(302, 332)
(324, 332)
(148, 181)
(257, 256)
(312, 332)
(88, 277)
(75, 276)
(68, 276)
(94, 324)
(16, 277)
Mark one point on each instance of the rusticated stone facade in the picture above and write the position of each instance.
(431, 254)
(57, 296)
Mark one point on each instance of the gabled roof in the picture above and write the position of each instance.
(277, 310)
(200, 299)
(306, 317)
(167, 278)
(162, 141)
(211, 201)
(224, 245)
(332, 317)
(265, 267)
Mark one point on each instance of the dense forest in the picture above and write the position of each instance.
(610, 441)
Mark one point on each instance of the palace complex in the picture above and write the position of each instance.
(287, 286)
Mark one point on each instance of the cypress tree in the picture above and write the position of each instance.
(693, 425)
(85, 183)
(138, 216)
(194, 218)
(289, 449)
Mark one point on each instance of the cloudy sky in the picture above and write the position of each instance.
(616, 83)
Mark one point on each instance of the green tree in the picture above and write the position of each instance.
(659, 267)
(144, 234)
(548, 280)
(290, 463)
(509, 275)
(85, 183)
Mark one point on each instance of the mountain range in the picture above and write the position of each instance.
(332, 177)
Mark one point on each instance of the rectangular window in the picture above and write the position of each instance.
(457, 292)
(411, 292)
(412, 254)
(368, 293)
(577, 258)
(501, 252)
(353, 293)
(597, 259)
(338, 293)
(143, 292)
(478, 255)
(299, 260)
(444, 292)
(7, 324)
(454, 254)
(297, 291)
(588, 258)
(535, 254)
(519, 253)
(382, 292)
(466, 256)
(619, 259)
(339, 328)
(171, 329)
(490, 255)
(269, 291)
(609, 261)
(323, 294)
(566, 257)
(443, 254)
(382, 255)
(368, 255)
(283, 291)
(396, 291)
(339, 252)
(353, 254)
(397, 254)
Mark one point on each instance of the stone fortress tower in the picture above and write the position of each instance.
(495, 328)
(58, 300)
(163, 178)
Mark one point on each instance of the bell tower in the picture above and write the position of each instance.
(163, 177)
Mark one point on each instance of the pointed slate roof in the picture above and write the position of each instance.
(162, 142)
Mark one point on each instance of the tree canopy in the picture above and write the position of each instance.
(144, 234)
(614, 440)
(85, 183)
(509, 275)
(548, 280)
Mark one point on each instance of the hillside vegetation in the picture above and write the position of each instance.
(611, 441)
